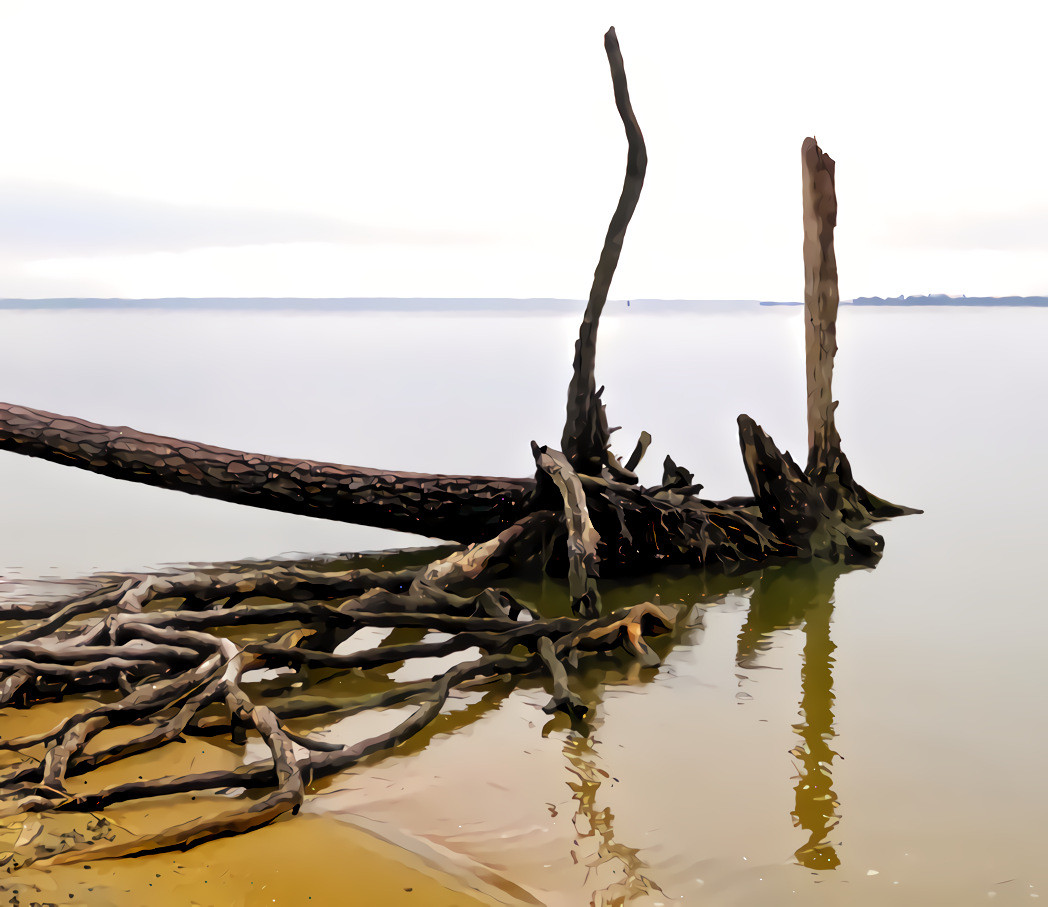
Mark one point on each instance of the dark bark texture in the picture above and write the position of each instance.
(459, 508)
(585, 439)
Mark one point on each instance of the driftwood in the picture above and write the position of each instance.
(168, 654)
(460, 508)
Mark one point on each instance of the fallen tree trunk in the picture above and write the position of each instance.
(459, 508)
(820, 511)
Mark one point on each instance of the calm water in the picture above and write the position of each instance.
(813, 736)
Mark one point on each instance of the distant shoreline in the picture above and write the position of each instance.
(405, 304)
(379, 304)
(940, 299)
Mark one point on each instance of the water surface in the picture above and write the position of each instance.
(813, 735)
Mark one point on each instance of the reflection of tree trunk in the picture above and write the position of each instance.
(614, 869)
(816, 809)
(784, 598)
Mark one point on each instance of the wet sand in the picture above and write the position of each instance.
(307, 860)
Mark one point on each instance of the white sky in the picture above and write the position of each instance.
(473, 149)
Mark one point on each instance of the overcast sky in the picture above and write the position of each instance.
(473, 149)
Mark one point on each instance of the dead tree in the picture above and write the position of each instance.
(169, 653)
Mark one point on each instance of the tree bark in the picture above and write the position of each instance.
(828, 468)
(585, 438)
(459, 508)
(821, 296)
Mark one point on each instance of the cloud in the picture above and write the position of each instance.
(1003, 231)
(48, 220)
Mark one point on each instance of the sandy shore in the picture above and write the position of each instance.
(308, 860)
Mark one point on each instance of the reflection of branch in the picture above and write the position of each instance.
(604, 856)
(785, 598)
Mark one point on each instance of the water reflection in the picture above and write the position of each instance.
(785, 598)
(595, 855)
(613, 870)
(795, 596)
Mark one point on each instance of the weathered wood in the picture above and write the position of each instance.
(821, 297)
(585, 438)
(827, 466)
(583, 560)
(820, 511)
(638, 530)
(455, 507)
(814, 519)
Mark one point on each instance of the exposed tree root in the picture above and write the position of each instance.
(184, 680)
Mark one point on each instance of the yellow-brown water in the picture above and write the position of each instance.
(813, 736)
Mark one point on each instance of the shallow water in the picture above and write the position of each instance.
(813, 735)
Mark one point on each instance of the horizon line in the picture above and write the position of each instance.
(936, 299)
